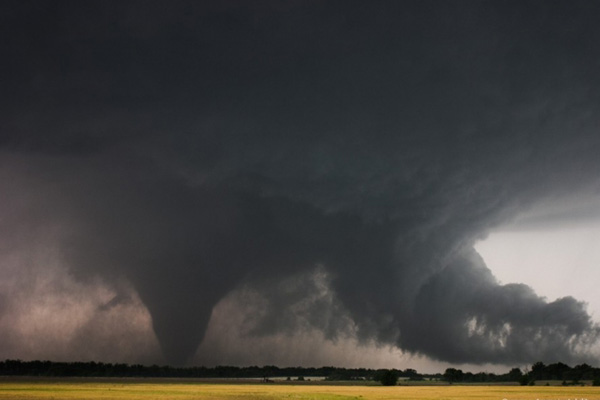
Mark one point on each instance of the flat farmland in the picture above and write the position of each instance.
(29, 389)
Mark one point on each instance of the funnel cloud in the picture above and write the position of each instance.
(333, 163)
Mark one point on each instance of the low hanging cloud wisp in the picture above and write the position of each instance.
(341, 162)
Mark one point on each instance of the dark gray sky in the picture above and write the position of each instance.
(308, 176)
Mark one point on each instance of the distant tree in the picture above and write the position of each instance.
(524, 379)
(453, 375)
(388, 377)
(515, 375)
(538, 371)
(410, 373)
(578, 373)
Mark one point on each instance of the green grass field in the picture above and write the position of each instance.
(152, 389)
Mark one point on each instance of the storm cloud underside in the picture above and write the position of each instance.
(340, 159)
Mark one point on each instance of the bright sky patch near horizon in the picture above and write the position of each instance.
(556, 262)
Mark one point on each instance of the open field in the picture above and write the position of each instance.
(153, 389)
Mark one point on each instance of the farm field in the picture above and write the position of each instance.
(153, 390)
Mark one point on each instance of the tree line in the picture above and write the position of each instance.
(100, 369)
(538, 371)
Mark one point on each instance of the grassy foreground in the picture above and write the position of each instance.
(45, 390)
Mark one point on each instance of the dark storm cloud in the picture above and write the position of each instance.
(504, 323)
(194, 149)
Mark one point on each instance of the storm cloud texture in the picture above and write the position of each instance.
(333, 161)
